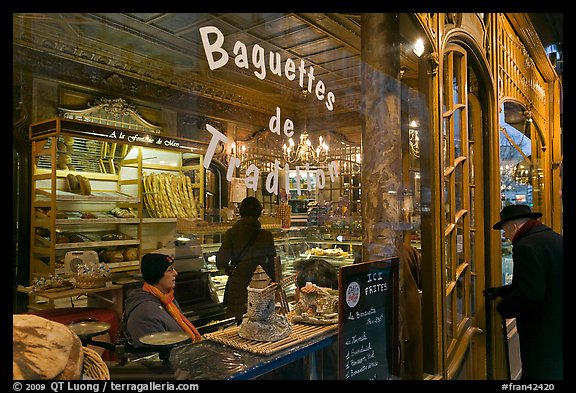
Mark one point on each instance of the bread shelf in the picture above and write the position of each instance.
(113, 200)
(95, 196)
(95, 221)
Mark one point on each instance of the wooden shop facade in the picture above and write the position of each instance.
(409, 128)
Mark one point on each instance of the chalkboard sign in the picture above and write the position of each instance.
(367, 320)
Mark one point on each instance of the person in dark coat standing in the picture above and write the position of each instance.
(535, 295)
(410, 310)
(244, 246)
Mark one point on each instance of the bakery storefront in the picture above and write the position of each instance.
(361, 134)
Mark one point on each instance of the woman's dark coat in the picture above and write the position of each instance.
(536, 300)
(145, 314)
(261, 252)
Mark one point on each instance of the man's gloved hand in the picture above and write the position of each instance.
(494, 292)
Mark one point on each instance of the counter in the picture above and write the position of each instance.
(210, 360)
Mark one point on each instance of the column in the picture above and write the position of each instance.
(381, 137)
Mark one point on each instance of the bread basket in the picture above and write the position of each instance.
(90, 282)
(93, 366)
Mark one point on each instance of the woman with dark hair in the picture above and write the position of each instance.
(317, 271)
(244, 246)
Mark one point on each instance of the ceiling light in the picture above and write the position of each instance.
(418, 47)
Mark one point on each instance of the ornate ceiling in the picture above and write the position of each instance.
(167, 49)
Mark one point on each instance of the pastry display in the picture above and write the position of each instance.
(51, 283)
(317, 305)
(327, 252)
(92, 275)
(284, 213)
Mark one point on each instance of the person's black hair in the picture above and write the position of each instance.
(316, 270)
(250, 207)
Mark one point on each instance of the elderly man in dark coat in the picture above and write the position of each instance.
(535, 296)
(244, 246)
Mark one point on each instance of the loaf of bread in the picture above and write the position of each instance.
(44, 349)
(61, 146)
(73, 184)
(63, 161)
(111, 255)
(85, 187)
(130, 254)
(69, 141)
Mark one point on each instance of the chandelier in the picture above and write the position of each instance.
(414, 139)
(305, 153)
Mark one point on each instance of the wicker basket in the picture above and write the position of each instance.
(93, 366)
(90, 282)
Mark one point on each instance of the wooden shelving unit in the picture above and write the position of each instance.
(115, 172)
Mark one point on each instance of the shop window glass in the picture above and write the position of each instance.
(447, 259)
(472, 259)
(457, 117)
(461, 297)
(516, 168)
(449, 318)
(458, 187)
(460, 255)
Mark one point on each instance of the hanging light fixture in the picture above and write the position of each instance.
(305, 153)
(414, 139)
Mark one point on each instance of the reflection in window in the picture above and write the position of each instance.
(471, 162)
(460, 295)
(447, 201)
(515, 164)
(459, 244)
(473, 293)
(472, 211)
(445, 144)
(449, 325)
(472, 260)
(458, 198)
(457, 136)
(447, 259)
(516, 171)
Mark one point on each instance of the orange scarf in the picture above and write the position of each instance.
(167, 300)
